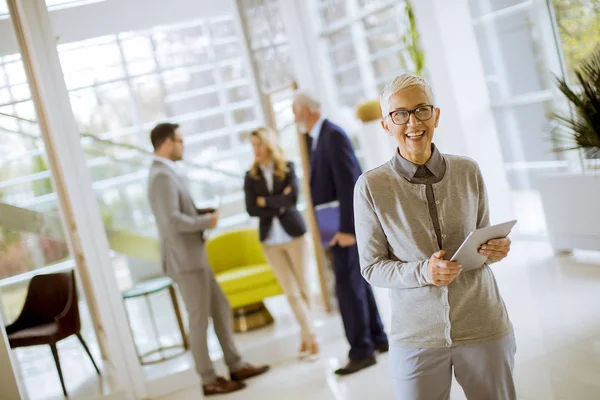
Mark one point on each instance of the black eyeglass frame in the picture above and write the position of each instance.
(430, 106)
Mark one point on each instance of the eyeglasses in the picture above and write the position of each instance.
(401, 117)
(178, 141)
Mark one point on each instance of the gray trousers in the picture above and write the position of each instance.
(203, 299)
(484, 371)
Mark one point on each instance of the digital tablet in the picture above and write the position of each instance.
(468, 255)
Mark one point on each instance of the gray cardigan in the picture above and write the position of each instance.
(396, 238)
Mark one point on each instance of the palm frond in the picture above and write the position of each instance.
(581, 128)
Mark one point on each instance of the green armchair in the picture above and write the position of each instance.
(247, 279)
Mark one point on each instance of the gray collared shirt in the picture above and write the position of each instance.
(428, 174)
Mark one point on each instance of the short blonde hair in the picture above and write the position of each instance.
(269, 138)
(403, 82)
(304, 99)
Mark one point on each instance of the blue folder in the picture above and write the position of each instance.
(328, 220)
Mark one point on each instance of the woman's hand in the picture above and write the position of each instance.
(287, 190)
(261, 202)
(496, 249)
(440, 271)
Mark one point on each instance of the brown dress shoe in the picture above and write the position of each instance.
(382, 347)
(222, 386)
(248, 371)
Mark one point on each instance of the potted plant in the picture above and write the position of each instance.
(580, 129)
(570, 200)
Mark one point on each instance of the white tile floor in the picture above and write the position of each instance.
(40, 380)
(554, 304)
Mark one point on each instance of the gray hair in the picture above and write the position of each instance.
(306, 100)
(403, 82)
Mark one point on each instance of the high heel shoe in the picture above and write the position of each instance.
(305, 350)
(313, 353)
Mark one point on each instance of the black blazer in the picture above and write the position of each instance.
(291, 219)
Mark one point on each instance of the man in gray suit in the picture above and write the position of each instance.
(181, 230)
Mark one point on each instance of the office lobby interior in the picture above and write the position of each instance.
(83, 82)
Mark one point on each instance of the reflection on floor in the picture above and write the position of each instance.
(553, 303)
(40, 378)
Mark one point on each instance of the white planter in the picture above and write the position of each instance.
(376, 146)
(572, 210)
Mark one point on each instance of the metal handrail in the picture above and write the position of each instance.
(120, 145)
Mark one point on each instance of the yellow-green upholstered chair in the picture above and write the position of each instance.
(247, 279)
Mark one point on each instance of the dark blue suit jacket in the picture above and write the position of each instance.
(334, 170)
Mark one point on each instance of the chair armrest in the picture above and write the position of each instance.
(65, 312)
(17, 325)
(12, 328)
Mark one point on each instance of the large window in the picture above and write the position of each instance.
(268, 42)
(52, 4)
(271, 52)
(192, 73)
(33, 242)
(517, 47)
(121, 84)
(578, 23)
(366, 44)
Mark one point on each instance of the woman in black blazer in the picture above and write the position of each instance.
(271, 190)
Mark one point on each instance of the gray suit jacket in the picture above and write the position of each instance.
(180, 227)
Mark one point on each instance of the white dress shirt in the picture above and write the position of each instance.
(277, 235)
(169, 163)
(316, 131)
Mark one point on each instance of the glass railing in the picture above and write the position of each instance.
(31, 236)
(119, 173)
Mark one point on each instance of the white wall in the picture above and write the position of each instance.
(110, 16)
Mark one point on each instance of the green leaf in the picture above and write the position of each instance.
(581, 128)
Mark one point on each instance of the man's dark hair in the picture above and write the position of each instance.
(161, 133)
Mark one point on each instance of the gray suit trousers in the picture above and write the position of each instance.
(484, 371)
(203, 299)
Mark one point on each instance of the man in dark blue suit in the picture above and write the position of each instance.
(334, 170)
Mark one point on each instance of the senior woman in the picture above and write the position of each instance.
(411, 215)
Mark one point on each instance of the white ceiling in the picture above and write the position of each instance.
(99, 18)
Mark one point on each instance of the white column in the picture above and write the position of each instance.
(9, 386)
(79, 208)
(296, 21)
(456, 72)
